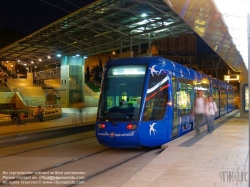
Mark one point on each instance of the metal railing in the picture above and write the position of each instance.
(28, 112)
(47, 74)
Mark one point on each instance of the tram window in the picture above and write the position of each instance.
(216, 95)
(223, 98)
(157, 98)
(121, 88)
(184, 95)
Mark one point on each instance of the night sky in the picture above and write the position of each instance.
(28, 16)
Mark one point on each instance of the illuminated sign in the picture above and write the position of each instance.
(231, 77)
(127, 70)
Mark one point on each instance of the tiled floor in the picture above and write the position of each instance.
(208, 162)
(220, 159)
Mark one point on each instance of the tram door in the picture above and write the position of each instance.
(175, 111)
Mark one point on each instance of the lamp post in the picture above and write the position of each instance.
(11, 68)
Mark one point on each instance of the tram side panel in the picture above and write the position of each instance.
(166, 90)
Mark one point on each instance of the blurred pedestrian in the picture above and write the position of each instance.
(199, 111)
(5, 80)
(211, 109)
(80, 106)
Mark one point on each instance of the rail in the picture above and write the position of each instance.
(47, 74)
(28, 112)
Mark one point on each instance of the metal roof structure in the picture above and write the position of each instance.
(98, 28)
(108, 25)
(207, 21)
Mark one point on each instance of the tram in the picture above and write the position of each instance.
(148, 101)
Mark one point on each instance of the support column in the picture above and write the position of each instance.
(139, 46)
(243, 80)
(149, 45)
(120, 46)
(128, 53)
(30, 77)
(130, 44)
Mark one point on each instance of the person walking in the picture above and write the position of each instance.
(199, 111)
(211, 109)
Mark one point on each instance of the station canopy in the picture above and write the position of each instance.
(100, 28)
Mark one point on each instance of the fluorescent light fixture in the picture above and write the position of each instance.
(235, 16)
(58, 55)
(77, 55)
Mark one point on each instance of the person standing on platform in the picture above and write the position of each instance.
(211, 109)
(199, 111)
(14, 115)
(80, 107)
(39, 113)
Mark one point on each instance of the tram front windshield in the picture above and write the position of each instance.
(121, 93)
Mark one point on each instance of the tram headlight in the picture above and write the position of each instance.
(101, 126)
(131, 126)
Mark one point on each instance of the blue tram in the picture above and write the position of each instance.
(148, 101)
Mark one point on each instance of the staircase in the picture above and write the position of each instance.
(30, 94)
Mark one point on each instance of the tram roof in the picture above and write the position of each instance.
(101, 26)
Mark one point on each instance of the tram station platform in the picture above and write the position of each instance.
(220, 159)
(71, 116)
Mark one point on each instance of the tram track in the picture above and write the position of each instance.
(44, 147)
(33, 136)
(122, 156)
(108, 169)
(96, 173)
(52, 167)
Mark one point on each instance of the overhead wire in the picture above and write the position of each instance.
(72, 4)
(55, 6)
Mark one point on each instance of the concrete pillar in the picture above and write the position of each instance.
(128, 53)
(149, 46)
(243, 81)
(139, 46)
(120, 46)
(29, 77)
(130, 44)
